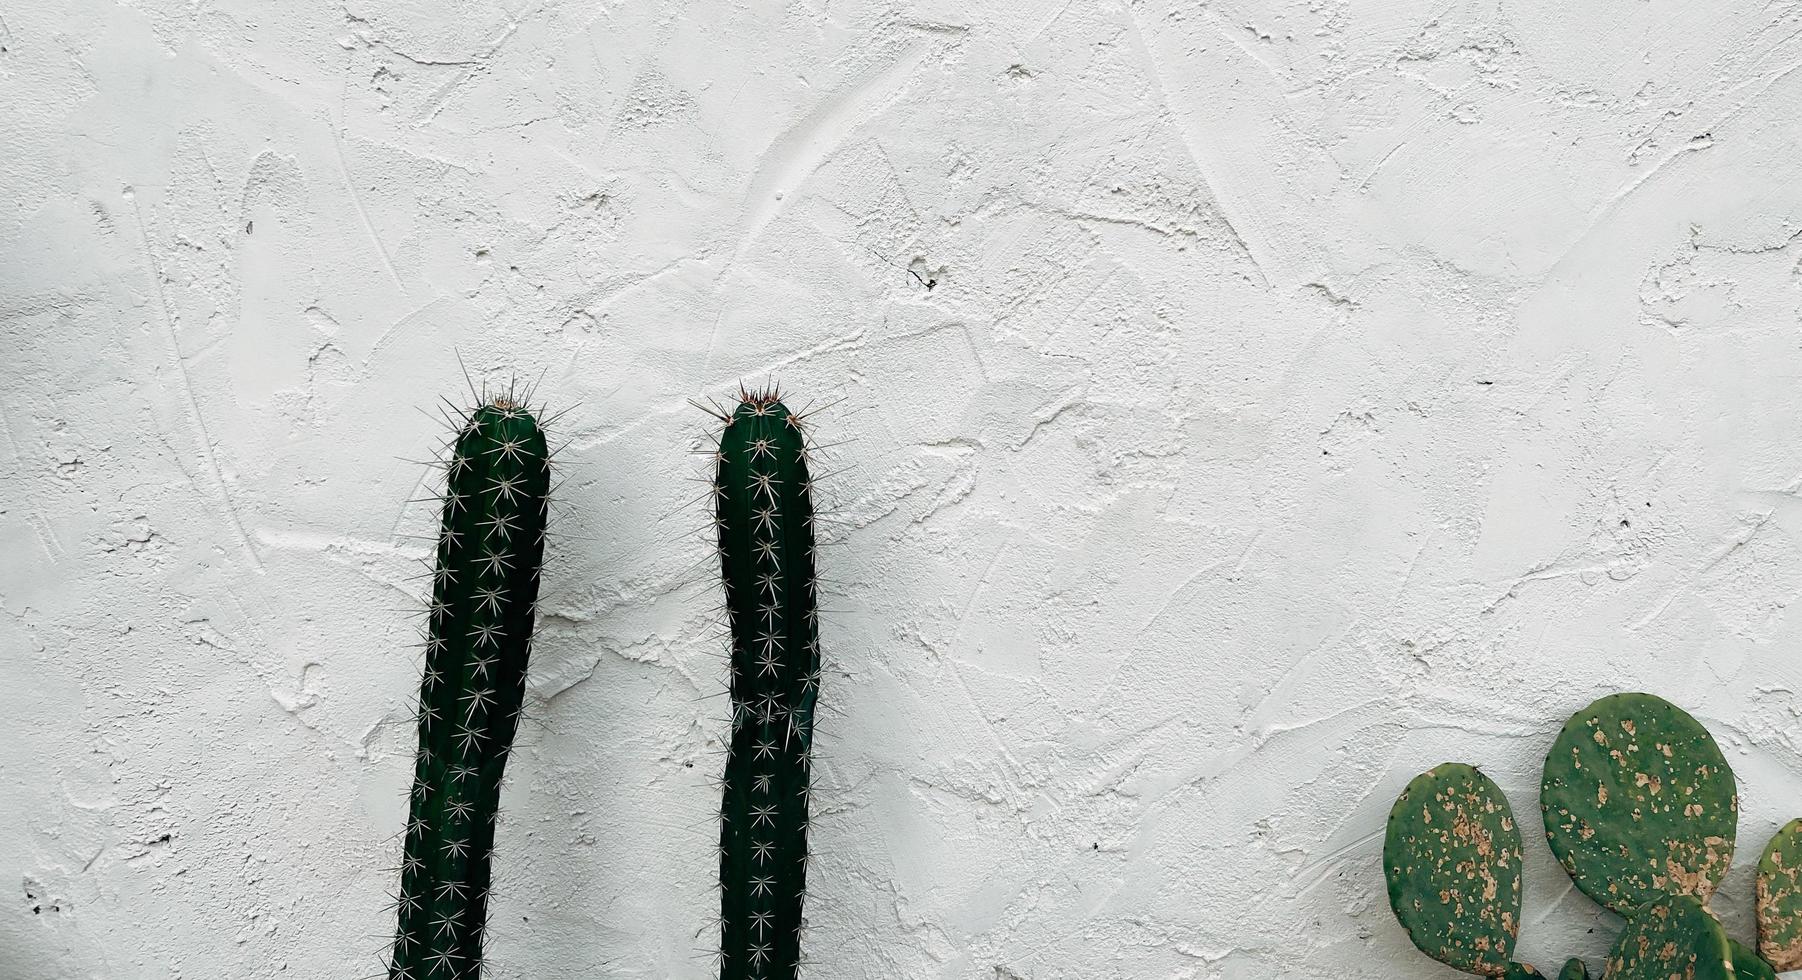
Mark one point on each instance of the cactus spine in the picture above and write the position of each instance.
(764, 519)
(485, 585)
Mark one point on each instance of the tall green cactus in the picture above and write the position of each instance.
(765, 523)
(479, 634)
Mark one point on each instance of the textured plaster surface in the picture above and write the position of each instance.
(1247, 405)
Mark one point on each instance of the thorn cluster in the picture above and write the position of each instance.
(765, 525)
(478, 638)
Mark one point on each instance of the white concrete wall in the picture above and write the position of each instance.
(1310, 391)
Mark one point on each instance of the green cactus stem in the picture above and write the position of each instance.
(1639, 803)
(1780, 899)
(1749, 965)
(1673, 936)
(479, 633)
(765, 523)
(1452, 857)
(1573, 970)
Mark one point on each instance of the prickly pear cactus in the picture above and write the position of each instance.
(1639, 802)
(1780, 899)
(1671, 938)
(1749, 965)
(1573, 970)
(765, 523)
(490, 548)
(1452, 857)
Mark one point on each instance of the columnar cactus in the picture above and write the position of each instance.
(765, 523)
(479, 633)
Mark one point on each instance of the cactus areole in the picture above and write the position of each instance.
(485, 584)
(765, 524)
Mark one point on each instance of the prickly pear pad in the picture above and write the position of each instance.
(1573, 970)
(1452, 857)
(1780, 899)
(1673, 938)
(1639, 803)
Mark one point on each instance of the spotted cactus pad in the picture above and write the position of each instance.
(1673, 938)
(1452, 858)
(1639, 803)
(1780, 899)
(1573, 970)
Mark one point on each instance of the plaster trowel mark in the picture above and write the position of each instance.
(187, 387)
(792, 157)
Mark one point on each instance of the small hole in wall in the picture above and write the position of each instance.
(1095, 846)
(249, 226)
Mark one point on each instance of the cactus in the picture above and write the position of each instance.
(1671, 937)
(1748, 965)
(765, 523)
(1639, 803)
(485, 584)
(1780, 899)
(1641, 809)
(1452, 857)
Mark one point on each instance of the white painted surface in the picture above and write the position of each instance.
(1310, 392)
